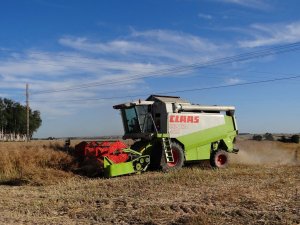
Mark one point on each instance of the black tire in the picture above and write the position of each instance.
(155, 156)
(178, 158)
(219, 159)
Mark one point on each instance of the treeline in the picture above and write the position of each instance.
(13, 118)
(269, 137)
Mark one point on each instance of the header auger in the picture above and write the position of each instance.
(168, 132)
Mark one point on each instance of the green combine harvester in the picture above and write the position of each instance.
(168, 132)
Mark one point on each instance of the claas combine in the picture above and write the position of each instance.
(168, 133)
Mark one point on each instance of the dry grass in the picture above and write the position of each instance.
(34, 163)
(253, 193)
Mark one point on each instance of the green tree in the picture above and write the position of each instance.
(35, 121)
(13, 118)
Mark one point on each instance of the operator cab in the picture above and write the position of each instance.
(143, 119)
(137, 119)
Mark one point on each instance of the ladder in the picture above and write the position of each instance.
(166, 144)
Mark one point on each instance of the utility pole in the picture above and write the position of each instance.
(27, 112)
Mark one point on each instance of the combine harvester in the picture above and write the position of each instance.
(168, 132)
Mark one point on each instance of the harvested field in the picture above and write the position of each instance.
(257, 188)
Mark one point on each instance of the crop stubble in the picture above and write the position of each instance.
(250, 191)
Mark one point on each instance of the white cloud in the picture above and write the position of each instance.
(205, 16)
(137, 54)
(66, 70)
(257, 4)
(271, 34)
(180, 47)
(179, 38)
(155, 46)
(50, 71)
(3, 95)
(233, 81)
(116, 46)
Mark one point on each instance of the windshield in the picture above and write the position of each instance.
(137, 119)
(131, 121)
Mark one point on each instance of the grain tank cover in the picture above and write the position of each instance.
(166, 99)
(132, 104)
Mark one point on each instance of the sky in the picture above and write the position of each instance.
(82, 57)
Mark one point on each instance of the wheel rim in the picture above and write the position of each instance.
(221, 160)
(175, 157)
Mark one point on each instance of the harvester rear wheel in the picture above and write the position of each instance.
(178, 156)
(219, 159)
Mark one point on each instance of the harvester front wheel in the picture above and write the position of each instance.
(178, 157)
(219, 159)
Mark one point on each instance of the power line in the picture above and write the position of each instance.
(177, 69)
(181, 91)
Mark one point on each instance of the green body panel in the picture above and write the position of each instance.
(200, 152)
(113, 170)
(198, 145)
(137, 165)
(128, 150)
(162, 135)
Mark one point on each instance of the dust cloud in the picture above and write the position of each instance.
(267, 153)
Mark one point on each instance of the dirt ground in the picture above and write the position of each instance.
(261, 186)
